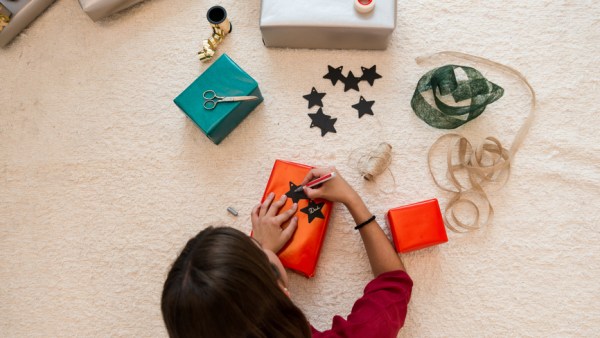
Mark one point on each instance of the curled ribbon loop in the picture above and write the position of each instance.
(489, 163)
(209, 46)
(470, 90)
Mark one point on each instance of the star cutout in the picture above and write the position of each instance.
(295, 196)
(325, 122)
(364, 107)
(334, 74)
(314, 210)
(314, 98)
(370, 74)
(351, 82)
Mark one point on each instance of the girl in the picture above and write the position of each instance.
(226, 284)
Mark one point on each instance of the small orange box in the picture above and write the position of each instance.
(417, 226)
(302, 251)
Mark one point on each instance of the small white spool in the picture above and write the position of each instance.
(364, 6)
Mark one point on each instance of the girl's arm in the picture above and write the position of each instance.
(381, 253)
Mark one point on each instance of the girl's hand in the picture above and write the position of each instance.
(335, 190)
(266, 224)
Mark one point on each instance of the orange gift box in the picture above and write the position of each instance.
(417, 226)
(302, 251)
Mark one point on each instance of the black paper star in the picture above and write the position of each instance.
(314, 210)
(370, 74)
(351, 82)
(334, 74)
(294, 195)
(325, 122)
(364, 107)
(314, 98)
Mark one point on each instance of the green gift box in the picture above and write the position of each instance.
(226, 79)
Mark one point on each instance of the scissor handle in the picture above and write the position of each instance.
(210, 104)
(209, 94)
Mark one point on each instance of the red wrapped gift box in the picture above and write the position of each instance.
(417, 226)
(302, 251)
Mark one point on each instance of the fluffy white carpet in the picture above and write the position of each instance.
(103, 179)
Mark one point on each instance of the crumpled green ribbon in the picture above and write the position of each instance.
(443, 81)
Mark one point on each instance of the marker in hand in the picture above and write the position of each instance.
(317, 181)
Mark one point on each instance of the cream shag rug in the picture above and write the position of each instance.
(103, 178)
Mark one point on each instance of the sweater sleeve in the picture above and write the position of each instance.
(380, 312)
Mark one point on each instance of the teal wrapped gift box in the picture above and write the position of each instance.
(226, 78)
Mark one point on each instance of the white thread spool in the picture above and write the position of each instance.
(364, 6)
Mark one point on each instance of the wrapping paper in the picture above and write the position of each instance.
(326, 24)
(226, 78)
(302, 252)
(98, 9)
(23, 13)
(417, 226)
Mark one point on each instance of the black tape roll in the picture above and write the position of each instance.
(217, 15)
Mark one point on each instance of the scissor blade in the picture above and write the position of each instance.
(239, 98)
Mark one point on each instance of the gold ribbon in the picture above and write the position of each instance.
(5, 15)
(489, 163)
(209, 46)
(4, 20)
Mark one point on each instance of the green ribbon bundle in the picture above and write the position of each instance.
(443, 81)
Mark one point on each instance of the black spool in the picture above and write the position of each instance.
(216, 15)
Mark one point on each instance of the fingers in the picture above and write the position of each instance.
(309, 177)
(276, 206)
(284, 216)
(312, 193)
(316, 173)
(265, 205)
(287, 233)
(254, 214)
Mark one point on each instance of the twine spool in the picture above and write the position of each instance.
(375, 162)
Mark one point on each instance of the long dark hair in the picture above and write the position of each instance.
(222, 285)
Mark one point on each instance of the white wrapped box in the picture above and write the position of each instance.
(326, 24)
(99, 9)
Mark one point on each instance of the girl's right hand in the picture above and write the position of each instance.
(335, 190)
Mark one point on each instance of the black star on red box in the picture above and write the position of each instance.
(314, 210)
(296, 195)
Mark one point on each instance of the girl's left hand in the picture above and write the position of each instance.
(266, 224)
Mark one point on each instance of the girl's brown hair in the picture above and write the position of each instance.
(222, 285)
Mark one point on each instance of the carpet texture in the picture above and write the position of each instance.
(103, 178)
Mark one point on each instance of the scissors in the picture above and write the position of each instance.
(211, 99)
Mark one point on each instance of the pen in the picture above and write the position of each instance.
(317, 181)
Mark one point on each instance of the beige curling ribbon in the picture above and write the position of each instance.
(489, 163)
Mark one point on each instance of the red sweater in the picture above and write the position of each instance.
(380, 312)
